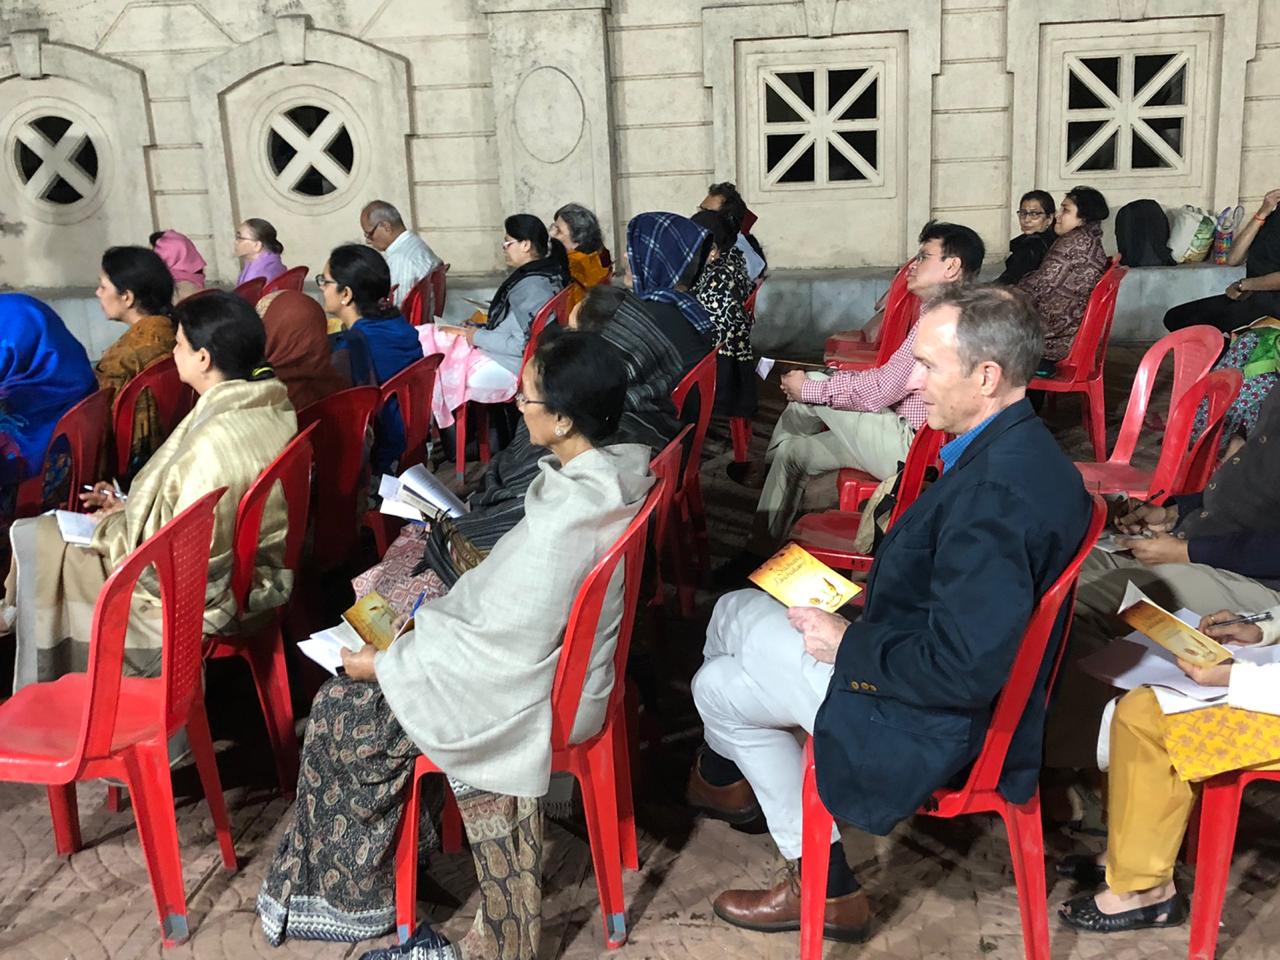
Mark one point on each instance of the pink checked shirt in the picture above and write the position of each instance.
(880, 388)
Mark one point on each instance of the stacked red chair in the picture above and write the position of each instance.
(980, 793)
(86, 726)
(601, 764)
(851, 350)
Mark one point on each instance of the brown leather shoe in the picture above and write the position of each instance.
(847, 918)
(735, 804)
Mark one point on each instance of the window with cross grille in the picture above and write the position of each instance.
(1127, 112)
(309, 151)
(56, 160)
(822, 126)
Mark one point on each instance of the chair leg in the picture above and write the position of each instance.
(407, 864)
(815, 864)
(265, 654)
(740, 433)
(1219, 815)
(682, 547)
(698, 527)
(482, 432)
(147, 772)
(207, 766)
(622, 758)
(1096, 419)
(597, 777)
(1026, 847)
(460, 442)
(115, 798)
(66, 818)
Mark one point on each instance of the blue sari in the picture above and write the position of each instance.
(44, 372)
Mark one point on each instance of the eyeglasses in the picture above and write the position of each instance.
(523, 401)
(508, 242)
(1031, 214)
(368, 234)
(322, 281)
(246, 239)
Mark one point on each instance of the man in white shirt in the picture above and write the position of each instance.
(408, 256)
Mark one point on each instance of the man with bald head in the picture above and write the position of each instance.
(899, 700)
(408, 256)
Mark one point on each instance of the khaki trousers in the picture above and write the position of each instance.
(1071, 731)
(809, 440)
(1148, 805)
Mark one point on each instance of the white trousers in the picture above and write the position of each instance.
(757, 690)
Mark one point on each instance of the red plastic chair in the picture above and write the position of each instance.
(291, 279)
(412, 388)
(417, 304)
(829, 534)
(666, 466)
(851, 351)
(688, 496)
(740, 427)
(557, 307)
(980, 793)
(1213, 839)
(263, 647)
(87, 427)
(173, 400)
(601, 764)
(342, 422)
(1080, 371)
(439, 277)
(85, 726)
(1194, 351)
(251, 290)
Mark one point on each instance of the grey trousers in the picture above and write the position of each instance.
(1071, 732)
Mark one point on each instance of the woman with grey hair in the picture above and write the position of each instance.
(578, 230)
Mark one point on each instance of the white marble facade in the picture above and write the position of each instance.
(118, 117)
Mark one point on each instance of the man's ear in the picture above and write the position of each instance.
(992, 377)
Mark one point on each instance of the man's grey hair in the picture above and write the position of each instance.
(584, 228)
(996, 324)
(380, 210)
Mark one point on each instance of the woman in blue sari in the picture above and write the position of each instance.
(44, 372)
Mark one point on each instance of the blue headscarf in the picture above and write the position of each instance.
(44, 372)
(660, 248)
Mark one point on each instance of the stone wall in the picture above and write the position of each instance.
(462, 111)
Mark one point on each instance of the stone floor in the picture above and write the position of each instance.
(941, 889)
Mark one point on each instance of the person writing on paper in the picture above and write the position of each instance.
(898, 701)
(482, 359)
(470, 688)
(242, 420)
(1156, 762)
(1218, 549)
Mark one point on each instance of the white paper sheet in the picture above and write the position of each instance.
(325, 647)
(75, 528)
(421, 481)
(763, 366)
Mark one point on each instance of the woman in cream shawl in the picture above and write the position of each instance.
(471, 688)
(240, 423)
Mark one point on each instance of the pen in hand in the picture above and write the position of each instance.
(1247, 618)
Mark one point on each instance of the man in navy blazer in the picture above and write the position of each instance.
(898, 701)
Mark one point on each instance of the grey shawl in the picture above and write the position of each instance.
(472, 683)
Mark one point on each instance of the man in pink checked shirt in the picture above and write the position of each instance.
(865, 420)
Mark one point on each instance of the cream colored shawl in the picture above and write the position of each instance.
(234, 431)
(472, 683)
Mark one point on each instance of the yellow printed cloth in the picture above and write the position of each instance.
(1219, 739)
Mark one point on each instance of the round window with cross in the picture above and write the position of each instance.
(310, 152)
(55, 159)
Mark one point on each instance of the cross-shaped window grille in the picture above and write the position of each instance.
(56, 160)
(310, 151)
(1126, 112)
(822, 126)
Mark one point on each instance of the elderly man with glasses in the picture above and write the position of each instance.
(408, 257)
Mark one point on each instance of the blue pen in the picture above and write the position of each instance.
(416, 604)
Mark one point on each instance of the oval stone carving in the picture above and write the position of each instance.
(549, 115)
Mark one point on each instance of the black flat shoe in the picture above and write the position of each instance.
(1083, 914)
(1083, 869)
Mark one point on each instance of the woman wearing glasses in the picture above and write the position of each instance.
(258, 251)
(375, 342)
(482, 358)
(1027, 249)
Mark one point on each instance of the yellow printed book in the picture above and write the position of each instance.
(1182, 640)
(797, 578)
(375, 620)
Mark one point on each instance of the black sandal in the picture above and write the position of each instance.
(1082, 913)
(1083, 869)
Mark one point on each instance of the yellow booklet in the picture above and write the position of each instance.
(1182, 640)
(797, 578)
(376, 621)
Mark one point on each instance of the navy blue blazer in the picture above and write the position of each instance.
(948, 598)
